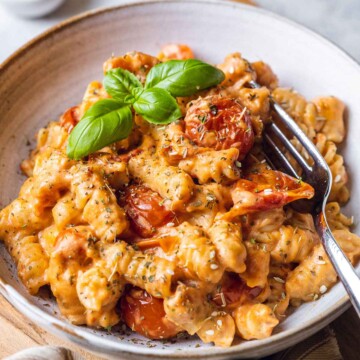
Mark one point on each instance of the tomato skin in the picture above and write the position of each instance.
(176, 52)
(70, 118)
(219, 123)
(146, 315)
(269, 189)
(145, 209)
(235, 292)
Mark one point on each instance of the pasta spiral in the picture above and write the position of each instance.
(195, 252)
(314, 275)
(339, 191)
(152, 273)
(257, 264)
(188, 308)
(213, 165)
(254, 321)
(227, 238)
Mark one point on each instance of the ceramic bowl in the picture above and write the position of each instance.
(32, 8)
(51, 73)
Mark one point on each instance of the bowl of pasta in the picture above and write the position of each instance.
(145, 221)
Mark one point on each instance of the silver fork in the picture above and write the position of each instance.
(319, 177)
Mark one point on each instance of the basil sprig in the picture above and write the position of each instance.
(111, 120)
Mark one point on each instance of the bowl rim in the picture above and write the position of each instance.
(91, 341)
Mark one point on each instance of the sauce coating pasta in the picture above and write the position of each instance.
(182, 227)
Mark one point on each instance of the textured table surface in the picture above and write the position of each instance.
(338, 20)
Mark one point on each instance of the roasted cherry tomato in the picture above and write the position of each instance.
(70, 118)
(267, 190)
(234, 292)
(145, 209)
(175, 51)
(146, 315)
(219, 123)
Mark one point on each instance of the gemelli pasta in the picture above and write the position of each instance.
(179, 226)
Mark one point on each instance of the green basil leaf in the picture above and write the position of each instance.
(106, 122)
(183, 77)
(119, 83)
(157, 106)
(137, 92)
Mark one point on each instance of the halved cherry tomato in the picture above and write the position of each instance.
(267, 190)
(70, 118)
(219, 123)
(146, 315)
(175, 51)
(234, 292)
(145, 209)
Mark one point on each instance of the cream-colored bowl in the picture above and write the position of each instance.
(50, 74)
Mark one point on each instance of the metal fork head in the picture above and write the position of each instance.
(318, 174)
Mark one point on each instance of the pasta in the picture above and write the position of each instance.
(219, 329)
(254, 321)
(257, 265)
(170, 182)
(292, 244)
(181, 227)
(339, 191)
(277, 298)
(147, 271)
(313, 275)
(212, 165)
(73, 256)
(188, 307)
(264, 75)
(196, 253)
(227, 238)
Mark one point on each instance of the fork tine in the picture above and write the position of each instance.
(280, 156)
(321, 179)
(289, 122)
(273, 130)
(310, 147)
(296, 131)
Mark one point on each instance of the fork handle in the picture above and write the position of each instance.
(343, 267)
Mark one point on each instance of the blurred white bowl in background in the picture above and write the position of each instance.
(32, 8)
